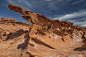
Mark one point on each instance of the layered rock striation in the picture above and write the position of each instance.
(44, 38)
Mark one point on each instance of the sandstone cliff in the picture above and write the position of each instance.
(44, 38)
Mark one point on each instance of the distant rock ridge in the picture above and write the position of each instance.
(44, 38)
(7, 20)
(12, 21)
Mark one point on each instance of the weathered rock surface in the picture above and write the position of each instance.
(44, 38)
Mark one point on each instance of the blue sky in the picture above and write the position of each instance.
(63, 10)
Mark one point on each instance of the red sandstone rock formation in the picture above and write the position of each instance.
(39, 19)
(44, 38)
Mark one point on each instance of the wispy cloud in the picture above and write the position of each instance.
(72, 15)
(49, 17)
(77, 2)
(83, 24)
(72, 20)
(45, 5)
(79, 22)
(83, 18)
(56, 5)
(22, 3)
(77, 19)
(47, 0)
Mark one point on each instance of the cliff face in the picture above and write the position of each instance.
(44, 38)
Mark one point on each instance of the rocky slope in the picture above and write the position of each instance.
(44, 38)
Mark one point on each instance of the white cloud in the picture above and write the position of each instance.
(45, 5)
(49, 17)
(83, 24)
(22, 3)
(71, 20)
(84, 18)
(56, 5)
(80, 23)
(72, 15)
(26, 3)
(77, 2)
(67, 2)
(47, 0)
